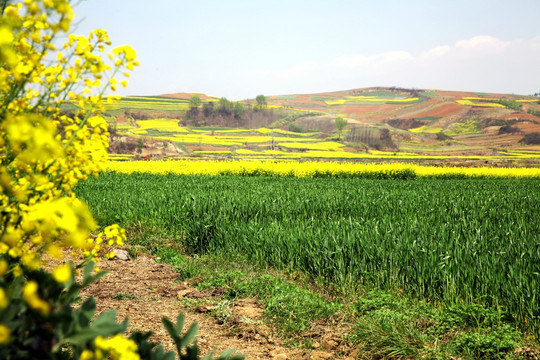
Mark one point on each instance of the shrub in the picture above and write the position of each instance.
(531, 138)
(295, 128)
(508, 129)
(442, 136)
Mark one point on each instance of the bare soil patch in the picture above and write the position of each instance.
(145, 291)
(521, 116)
(441, 110)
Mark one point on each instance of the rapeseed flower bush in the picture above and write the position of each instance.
(44, 153)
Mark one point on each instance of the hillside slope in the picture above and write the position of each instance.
(425, 122)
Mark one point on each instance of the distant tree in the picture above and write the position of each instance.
(261, 101)
(225, 107)
(510, 104)
(508, 129)
(238, 110)
(208, 109)
(442, 136)
(195, 101)
(531, 138)
(295, 128)
(341, 123)
(386, 138)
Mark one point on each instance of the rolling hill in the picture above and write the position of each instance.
(426, 123)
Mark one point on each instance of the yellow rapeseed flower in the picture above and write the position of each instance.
(4, 334)
(4, 266)
(6, 35)
(117, 347)
(87, 355)
(3, 299)
(62, 273)
(31, 297)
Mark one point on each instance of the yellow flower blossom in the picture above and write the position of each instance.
(87, 355)
(4, 266)
(3, 299)
(4, 334)
(127, 51)
(17, 271)
(116, 347)
(62, 273)
(6, 36)
(31, 297)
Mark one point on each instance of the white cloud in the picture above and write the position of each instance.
(484, 42)
(349, 61)
(375, 60)
(480, 63)
(392, 57)
(436, 52)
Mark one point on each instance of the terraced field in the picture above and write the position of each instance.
(405, 124)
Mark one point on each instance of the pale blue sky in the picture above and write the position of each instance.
(239, 49)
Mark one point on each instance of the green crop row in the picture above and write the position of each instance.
(472, 241)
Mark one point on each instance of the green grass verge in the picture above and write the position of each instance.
(381, 324)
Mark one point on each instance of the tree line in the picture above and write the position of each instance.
(222, 112)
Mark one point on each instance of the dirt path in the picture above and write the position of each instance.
(146, 291)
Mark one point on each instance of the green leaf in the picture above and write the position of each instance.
(190, 335)
(180, 323)
(238, 357)
(227, 353)
(209, 356)
(88, 278)
(87, 271)
(108, 317)
(105, 325)
(170, 329)
(81, 338)
(169, 355)
(87, 309)
(192, 353)
(161, 355)
(173, 333)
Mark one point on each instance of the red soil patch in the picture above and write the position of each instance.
(528, 127)
(304, 98)
(521, 115)
(441, 110)
(360, 109)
